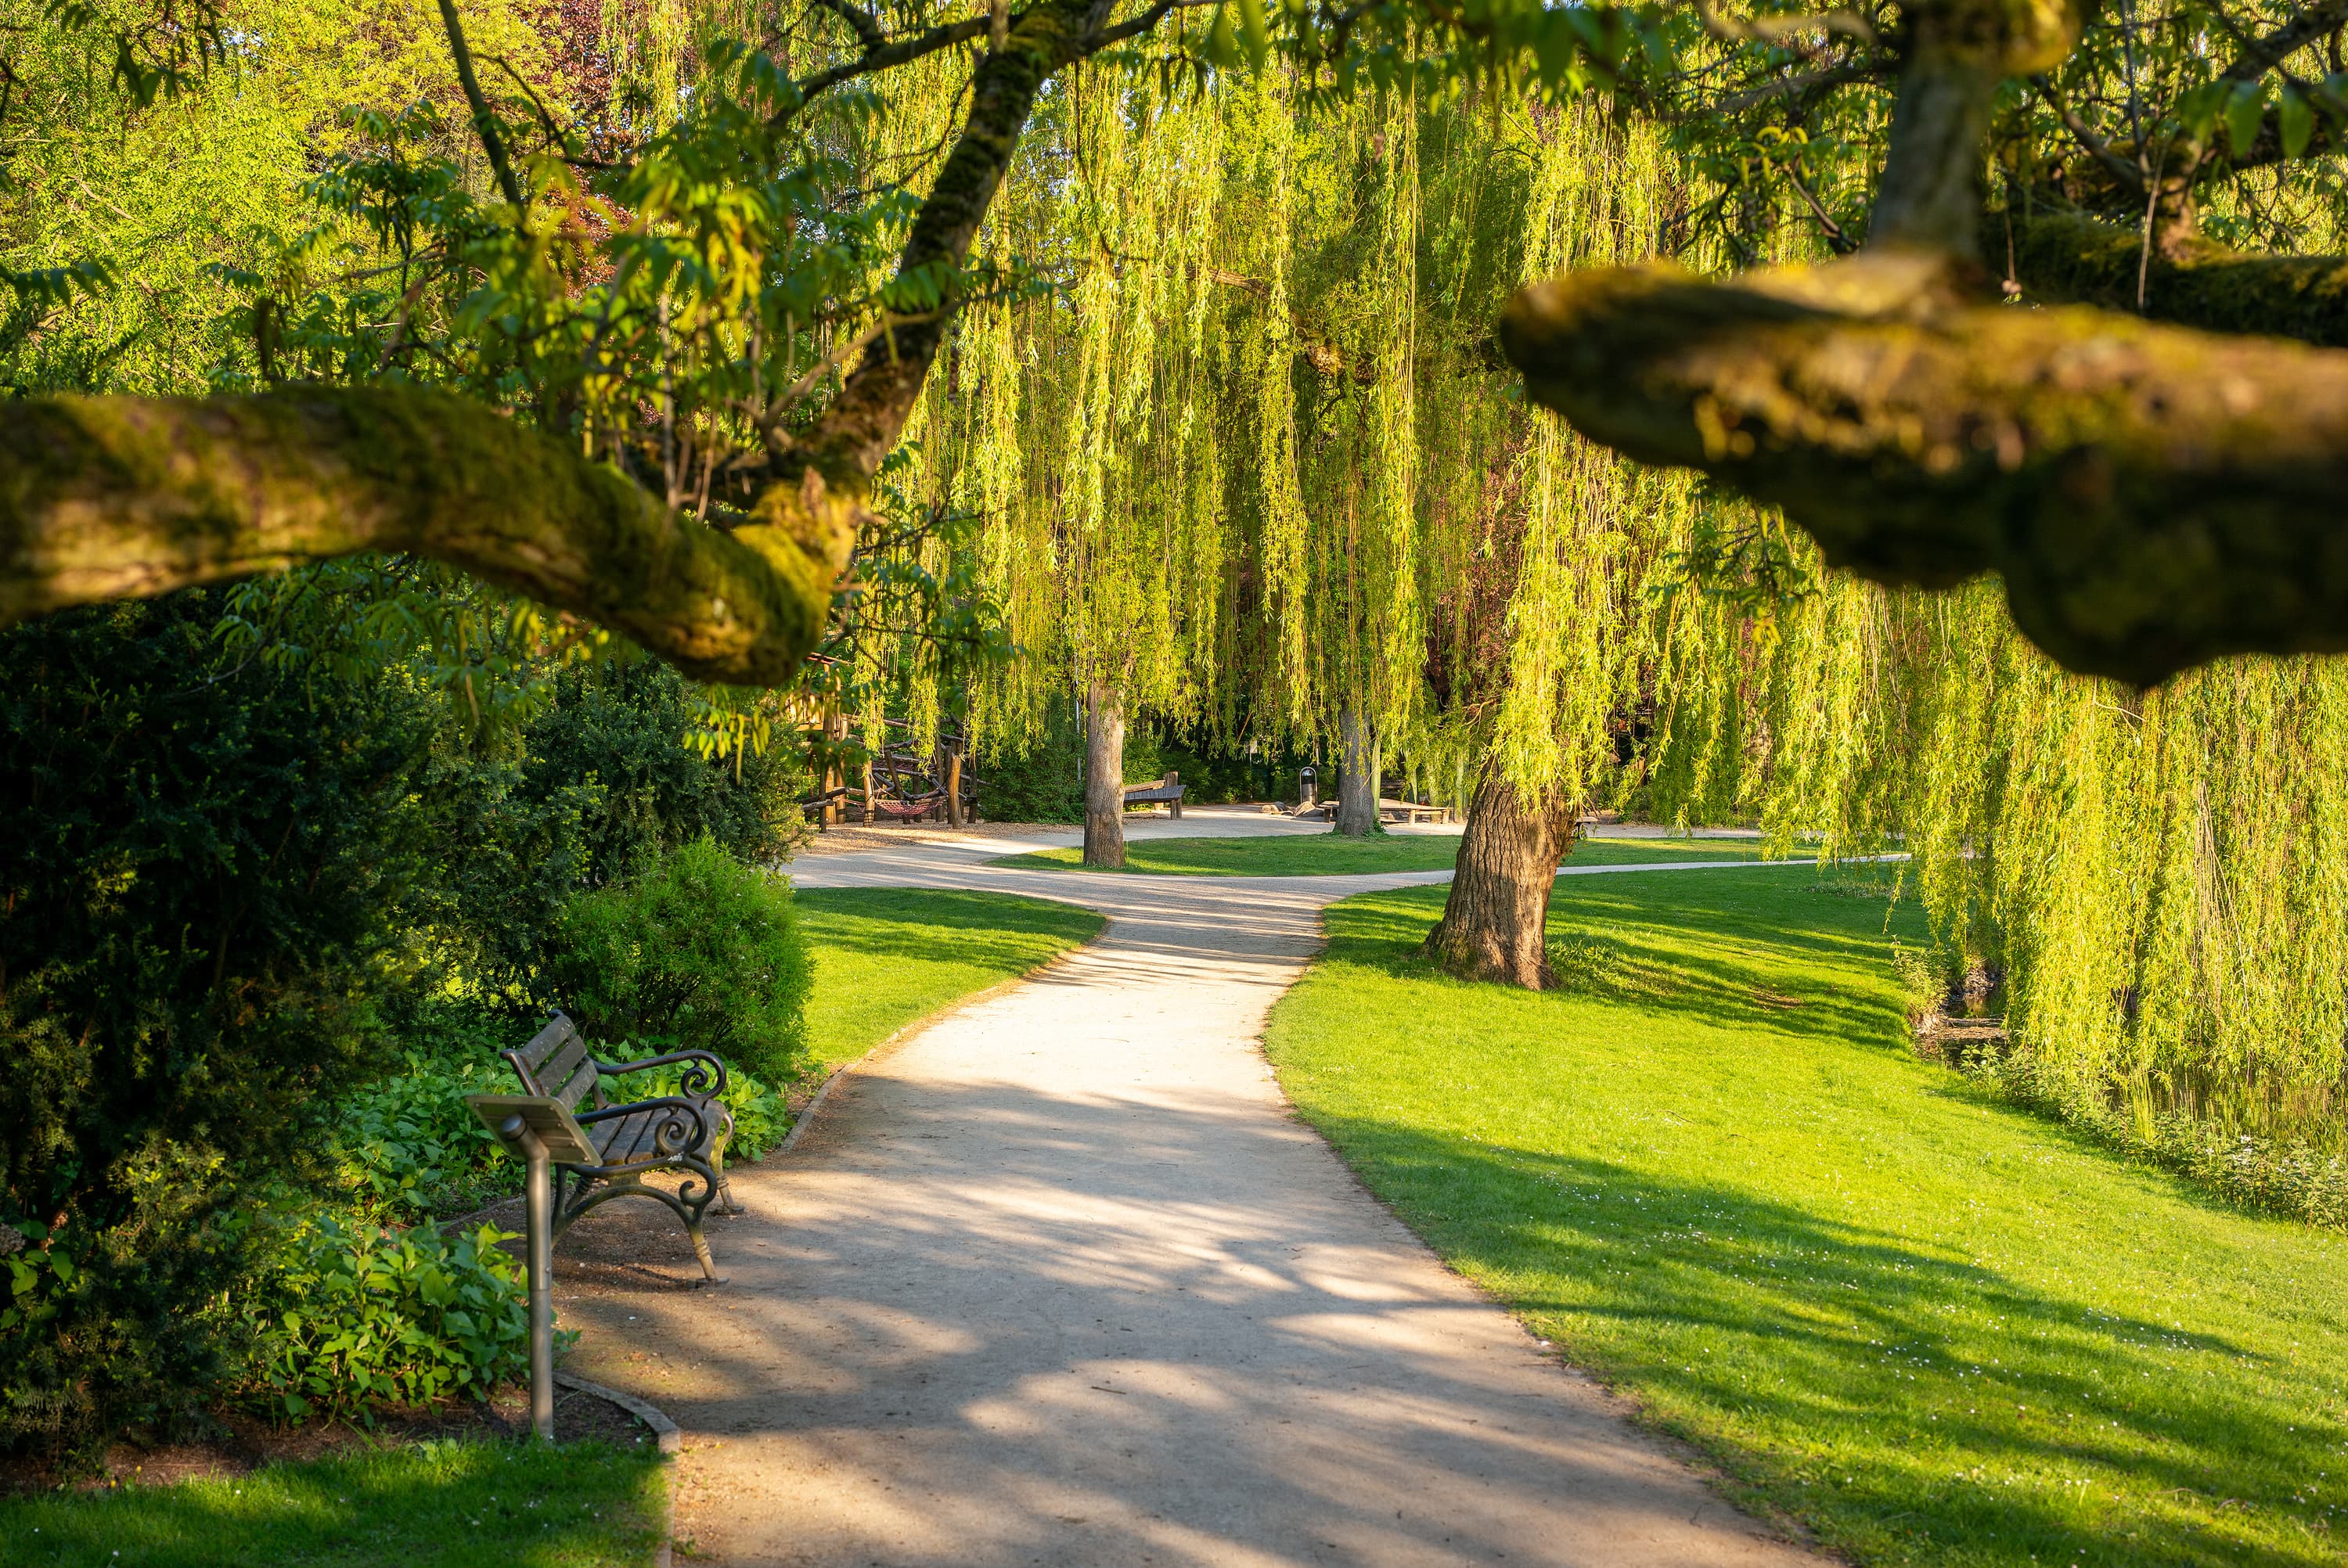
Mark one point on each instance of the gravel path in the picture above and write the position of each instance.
(1058, 1280)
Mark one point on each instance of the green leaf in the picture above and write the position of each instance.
(2199, 109)
(2298, 118)
(1254, 36)
(2245, 108)
(1222, 47)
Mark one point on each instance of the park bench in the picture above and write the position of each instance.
(1166, 790)
(683, 1133)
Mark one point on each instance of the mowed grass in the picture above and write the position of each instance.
(1932, 1328)
(1329, 855)
(434, 1505)
(887, 957)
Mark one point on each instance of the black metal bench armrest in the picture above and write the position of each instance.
(697, 1081)
(670, 1139)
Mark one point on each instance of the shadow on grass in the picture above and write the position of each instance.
(1702, 956)
(442, 1504)
(1889, 1394)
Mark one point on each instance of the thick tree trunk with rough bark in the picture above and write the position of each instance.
(2152, 496)
(1105, 776)
(1357, 781)
(1493, 925)
(953, 785)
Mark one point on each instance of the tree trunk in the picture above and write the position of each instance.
(1357, 782)
(870, 815)
(1493, 925)
(1105, 778)
(953, 785)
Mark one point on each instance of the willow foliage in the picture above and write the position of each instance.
(1252, 459)
(2159, 878)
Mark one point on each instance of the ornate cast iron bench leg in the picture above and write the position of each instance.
(688, 1203)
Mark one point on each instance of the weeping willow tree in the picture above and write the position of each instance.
(2157, 882)
(1078, 420)
(1257, 437)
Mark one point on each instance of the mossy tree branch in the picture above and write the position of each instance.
(2152, 496)
(2063, 256)
(108, 498)
(125, 497)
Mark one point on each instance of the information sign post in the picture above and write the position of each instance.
(539, 1130)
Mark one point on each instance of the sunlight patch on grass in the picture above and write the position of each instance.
(1712, 1171)
(1329, 855)
(889, 956)
(431, 1505)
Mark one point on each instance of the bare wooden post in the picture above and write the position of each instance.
(835, 729)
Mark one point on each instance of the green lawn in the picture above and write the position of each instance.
(887, 957)
(433, 1505)
(1932, 1327)
(1327, 855)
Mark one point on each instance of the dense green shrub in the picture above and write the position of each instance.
(1042, 781)
(700, 952)
(599, 785)
(202, 870)
(350, 1315)
(620, 728)
(409, 1146)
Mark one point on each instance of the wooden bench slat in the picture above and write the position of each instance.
(580, 1085)
(556, 1069)
(559, 1032)
(622, 1138)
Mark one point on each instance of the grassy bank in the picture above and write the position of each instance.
(430, 1506)
(887, 957)
(1327, 855)
(1931, 1327)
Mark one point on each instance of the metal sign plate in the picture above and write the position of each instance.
(548, 1117)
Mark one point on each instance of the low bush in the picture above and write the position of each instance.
(2279, 1175)
(351, 1315)
(409, 1146)
(698, 953)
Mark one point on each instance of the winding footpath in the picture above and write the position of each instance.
(1058, 1279)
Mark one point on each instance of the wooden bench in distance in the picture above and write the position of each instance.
(1167, 790)
(685, 1131)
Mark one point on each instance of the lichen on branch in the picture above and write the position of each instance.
(2152, 496)
(124, 497)
(2066, 257)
